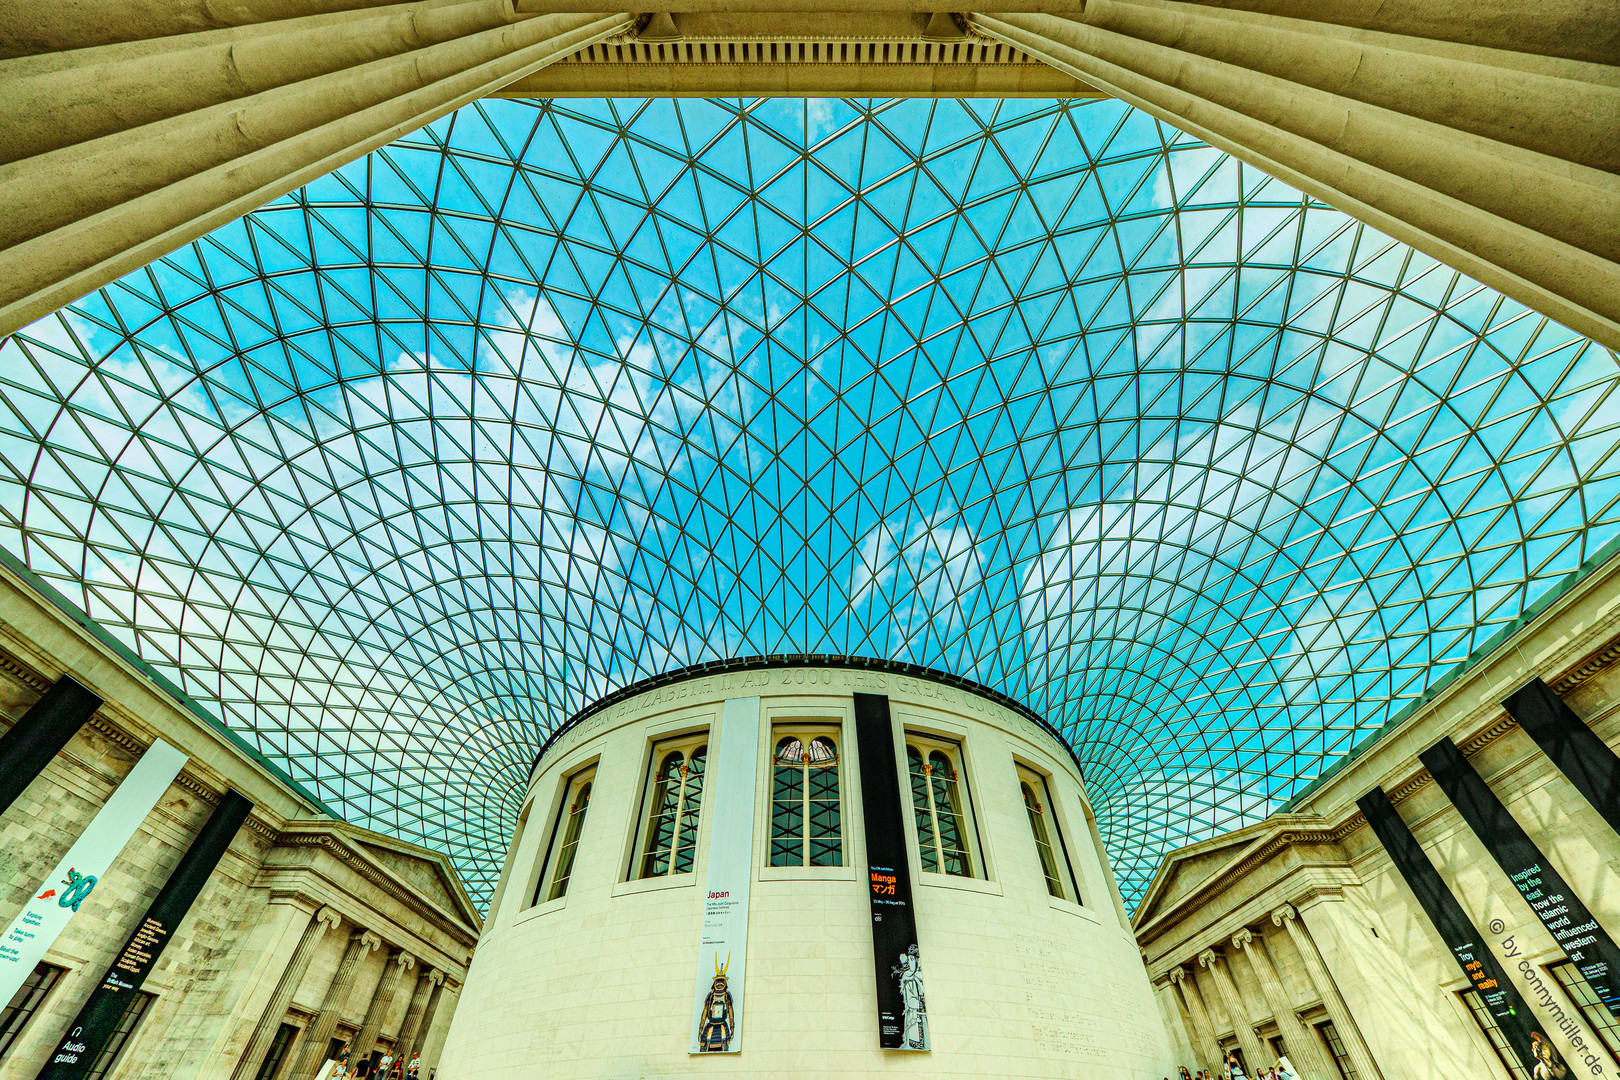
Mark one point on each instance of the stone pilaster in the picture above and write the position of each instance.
(1343, 1023)
(1242, 1025)
(264, 1032)
(1304, 1048)
(320, 1032)
(365, 1040)
(1200, 1025)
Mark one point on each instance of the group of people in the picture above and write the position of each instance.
(388, 1068)
(1232, 1069)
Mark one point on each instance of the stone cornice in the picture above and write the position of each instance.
(1289, 830)
(319, 835)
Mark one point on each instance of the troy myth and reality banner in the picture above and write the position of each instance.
(902, 1012)
(723, 944)
(1456, 929)
(67, 887)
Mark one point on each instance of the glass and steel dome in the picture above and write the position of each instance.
(400, 471)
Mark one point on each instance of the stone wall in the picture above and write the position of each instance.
(1341, 932)
(291, 872)
(600, 982)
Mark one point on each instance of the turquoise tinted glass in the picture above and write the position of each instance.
(396, 473)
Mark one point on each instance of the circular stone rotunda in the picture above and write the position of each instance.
(825, 867)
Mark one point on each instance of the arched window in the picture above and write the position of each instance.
(941, 815)
(565, 837)
(1048, 835)
(806, 817)
(674, 806)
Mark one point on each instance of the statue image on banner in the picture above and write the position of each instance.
(1549, 1062)
(915, 1014)
(719, 1018)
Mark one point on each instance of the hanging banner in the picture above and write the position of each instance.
(723, 944)
(99, 1018)
(902, 1012)
(69, 886)
(1456, 929)
(1584, 758)
(1588, 946)
(30, 744)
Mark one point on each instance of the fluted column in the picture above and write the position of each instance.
(1304, 1048)
(437, 979)
(365, 1040)
(128, 131)
(413, 1012)
(326, 1021)
(1202, 1028)
(1241, 1025)
(264, 1032)
(1343, 1023)
(1481, 134)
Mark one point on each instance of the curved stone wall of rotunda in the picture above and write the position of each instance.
(742, 823)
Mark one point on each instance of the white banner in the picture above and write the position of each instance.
(723, 944)
(66, 888)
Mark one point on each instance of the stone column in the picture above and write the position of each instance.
(1366, 1068)
(1241, 1026)
(128, 131)
(1202, 1028)
(436, 978)
(326, 1021)
(432, 1033)
(1481, 134)
(413, 1013)
(365, 1040)
(264, 1032)
(1304, 1048)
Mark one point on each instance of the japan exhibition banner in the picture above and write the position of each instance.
(902, 1011)
(87, 1036)
(1588, 946)
(723, 944)
(1456, 929)
(72, 883)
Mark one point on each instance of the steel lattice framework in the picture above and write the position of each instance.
(400, 471)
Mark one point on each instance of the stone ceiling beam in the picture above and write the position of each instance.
(1501, 163)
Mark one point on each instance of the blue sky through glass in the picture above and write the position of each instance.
(399, 471)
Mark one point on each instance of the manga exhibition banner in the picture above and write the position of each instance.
(723, 944)
(88, 1034)
(1456, 929)
(902, 1011)
(71, 884)
(1588, 946)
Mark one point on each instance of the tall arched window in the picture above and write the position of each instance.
(674, 806)
(938, 807)
(565, 837)
(1048, 835)
(806, 817)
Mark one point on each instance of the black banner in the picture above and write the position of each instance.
(1580, 755)
(94, 1025)
(44, 729)
(902, 1017)
(1475, 958)
(1588, 946)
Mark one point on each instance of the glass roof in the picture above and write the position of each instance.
(400, 471)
